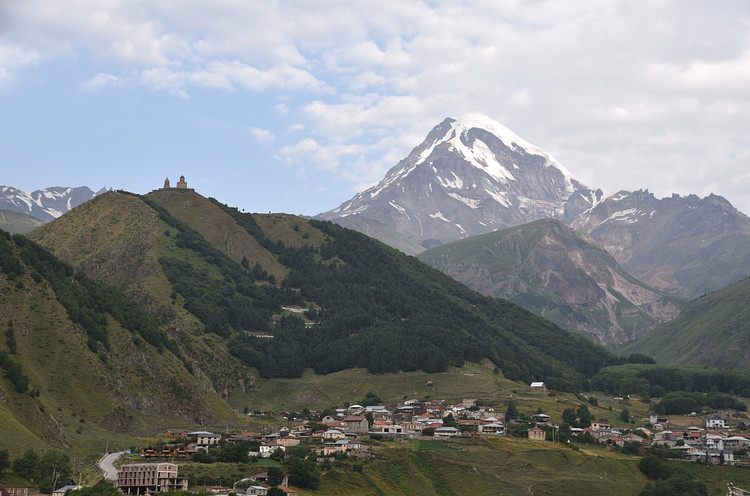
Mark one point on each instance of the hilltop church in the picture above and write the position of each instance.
(181, 184)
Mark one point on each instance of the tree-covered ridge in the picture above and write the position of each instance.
(368, 306)
(379, 309)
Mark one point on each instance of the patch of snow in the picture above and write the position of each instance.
(454, 183)
(390, 179)
(398, 207)
(54, 213)
(469, 202)
(498, 197)
(623, 216)
(25, 199)
(439, 215)
(481, 157)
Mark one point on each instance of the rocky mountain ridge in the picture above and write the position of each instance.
(559, 274)
(45, 204)
(472, 176)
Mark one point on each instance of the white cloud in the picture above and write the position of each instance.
(100, 81)
(12, 58)
(262, 135)
(624, 95)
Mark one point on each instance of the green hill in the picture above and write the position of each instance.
(713, 330)
(82, 362)
(231, 278)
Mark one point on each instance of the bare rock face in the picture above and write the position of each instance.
(559, 274)
(680, 244)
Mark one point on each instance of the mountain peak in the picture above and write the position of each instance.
(470, 175)
(459, 132)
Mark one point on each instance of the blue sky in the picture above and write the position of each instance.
(295, 106)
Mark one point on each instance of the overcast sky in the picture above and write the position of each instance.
(295, 106)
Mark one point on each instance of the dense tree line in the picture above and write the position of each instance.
(680, 402)
(658, 380)
(48, 472)
(668, 479)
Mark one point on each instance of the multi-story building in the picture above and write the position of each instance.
(147, 478)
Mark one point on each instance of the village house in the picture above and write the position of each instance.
(288, 441)
(393, 429)
(540, 418)
(268, 448)
(413, 427)
(176, 434)
(736, 442)
(61, 491)
(536, 434)
(356, 423)
(205, 439)
(716, 422)
(498, 429)
(447, 432)
(333, 434)
(539, 385)
(600, 425)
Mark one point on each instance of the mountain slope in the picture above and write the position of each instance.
(17, 222)
(80, 359)
(559, 274)
(713, 331)
(471, 175)
(118, 238)
(45, 204)
(215, 275)
(677, 244)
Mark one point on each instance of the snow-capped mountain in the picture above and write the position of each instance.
(471, 175)
(45, 204)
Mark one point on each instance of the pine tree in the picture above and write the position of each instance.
(512, 412)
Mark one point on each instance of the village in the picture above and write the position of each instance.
(718, 437)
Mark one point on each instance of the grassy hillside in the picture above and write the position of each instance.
(489, 466)
(82, 363)
(713, 330)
